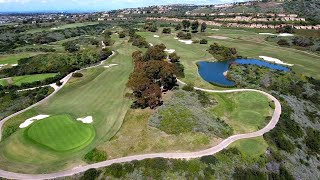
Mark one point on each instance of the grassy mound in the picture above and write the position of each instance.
(61, 133)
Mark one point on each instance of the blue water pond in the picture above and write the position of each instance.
(213, 71)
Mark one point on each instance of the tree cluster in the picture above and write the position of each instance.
(182, 35)
(166, 31)
(138, 40)
(151, 75)
(151, 26)
(222, 53)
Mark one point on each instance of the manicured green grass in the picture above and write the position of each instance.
(18, 80)
(14, 58)
(99, 93)
(244, 112)
(252, 148)
(61, 133)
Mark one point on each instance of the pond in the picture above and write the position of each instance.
(213, 72)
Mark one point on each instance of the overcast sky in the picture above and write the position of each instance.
(90, 5)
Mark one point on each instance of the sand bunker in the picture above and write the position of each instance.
(156, 36)
(186, 41)
(175, 38)
(110, 65)
(215, 29)
(1, 65)
(150, 44)
(277, 61)
(285, 34)
(86, 120)
(218, 37)
(31, 120)
(170, 51)
(267, 34)
(14, 64)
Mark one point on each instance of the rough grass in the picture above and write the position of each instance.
(137, 137)
(60, 133)
(244, 112)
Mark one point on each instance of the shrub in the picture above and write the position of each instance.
(91, 174)
(312, 140)
(95, 155)
(188, 87)
(248, 174)
(203, 41)
(122, 34)
(182, 35)
(283, 42)
(59, 83)
(166, 30)
(77, 74)
(174, 57)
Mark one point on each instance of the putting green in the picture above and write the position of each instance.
(61, 133)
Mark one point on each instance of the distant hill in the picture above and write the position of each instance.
(305, 8)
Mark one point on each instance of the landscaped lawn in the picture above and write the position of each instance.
(14, 58)
(18, 80)
(61, 133)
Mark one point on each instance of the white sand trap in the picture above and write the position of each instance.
(1, 65)
(170, 51)
(218, 37)
(111, 65)
(175, 38)
(156, 36)
(285, 34)
(86, 120)
(14, 64)
(267, 34)
(29, 121)
(215, 29)
(186, 41)
(150, 44)
(277, 61)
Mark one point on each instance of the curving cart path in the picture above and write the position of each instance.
(225, 143)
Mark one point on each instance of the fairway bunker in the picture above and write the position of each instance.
(218, 37)
(86, 120)
(275, 60)
(156, 36)
(110, 65)
(170, 51)
(29, 121)
(186, 41)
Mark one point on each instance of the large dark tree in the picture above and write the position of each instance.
(203, 27)
(195, 26)
(186, 24)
